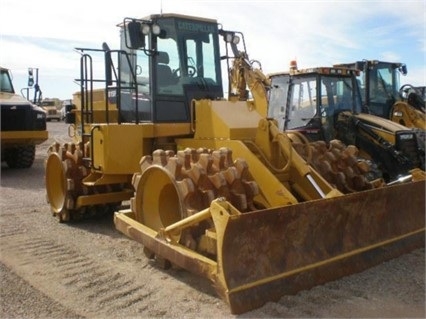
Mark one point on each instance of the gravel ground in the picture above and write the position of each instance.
(90, 270)
(21, 300)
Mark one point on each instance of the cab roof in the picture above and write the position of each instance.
(177, 15)
(343, 71)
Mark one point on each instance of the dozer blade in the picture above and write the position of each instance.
(266, 254)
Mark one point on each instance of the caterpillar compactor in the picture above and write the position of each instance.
(213, 186)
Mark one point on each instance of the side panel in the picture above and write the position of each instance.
(23, 137)
(118, 148)
(228, 120)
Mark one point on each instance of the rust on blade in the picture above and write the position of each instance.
(267, 254)
(177, 254)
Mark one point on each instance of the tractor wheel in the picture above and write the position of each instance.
(20, 156)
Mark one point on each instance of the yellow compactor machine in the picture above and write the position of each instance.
(213, 186)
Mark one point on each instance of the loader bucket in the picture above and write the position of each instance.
(266, 254)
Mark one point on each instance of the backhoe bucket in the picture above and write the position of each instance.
(266, 254)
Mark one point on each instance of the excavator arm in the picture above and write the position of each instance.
(243, 75)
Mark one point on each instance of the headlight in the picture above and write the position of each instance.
(228, 37)
(145, 29)
(156, 29)
(236, 39)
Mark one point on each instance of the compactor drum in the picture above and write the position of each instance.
(213, 185)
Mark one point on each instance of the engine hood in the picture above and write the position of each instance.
(10, 98)
(381, 122)
(15, 99)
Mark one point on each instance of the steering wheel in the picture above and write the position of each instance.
(405, 89)
(191, 71)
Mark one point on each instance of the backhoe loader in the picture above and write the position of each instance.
(213, 185)
(383, 95)
(324, 104)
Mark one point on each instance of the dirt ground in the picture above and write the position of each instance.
(90, 270)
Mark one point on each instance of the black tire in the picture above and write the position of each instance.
(20, 156)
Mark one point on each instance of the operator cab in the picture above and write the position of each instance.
(172, 59)
(6, 85)
(310, 100)
(379, 82)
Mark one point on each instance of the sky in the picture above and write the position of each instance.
(42, 34)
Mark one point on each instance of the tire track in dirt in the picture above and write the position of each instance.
(76, 276)
(8, 229)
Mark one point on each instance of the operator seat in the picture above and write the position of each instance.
(164, 72)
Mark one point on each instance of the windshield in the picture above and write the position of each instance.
(382, 86)
(48, 103)
(311, 96)
(5, 82)
(187, 55)
(278, 98)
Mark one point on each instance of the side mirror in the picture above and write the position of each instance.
(403, 69)
(30, 77)
(70, 117)
(136, 37)
(360, 65)
(108, 63)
